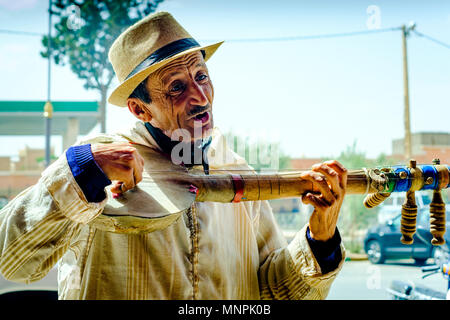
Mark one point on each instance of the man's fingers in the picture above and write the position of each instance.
(337, 164)
(331, 175)
(130, 180)
(123, 153)
(120, 187)
(136, 163)
(330, 180)
(340, 169)
(128, 154)
(127, 182)
(137, 166)
(314, 200)
(117, 187)
(319, 181)
(121, 163)
(137, 172)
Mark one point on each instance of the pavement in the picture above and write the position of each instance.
(355, 256)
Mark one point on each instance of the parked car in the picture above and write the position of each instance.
(3, 202)
(392, 206)
(383, 241)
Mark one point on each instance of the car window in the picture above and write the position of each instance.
(423, 218)
(426, 199)
(389, 201)
(396, 221)
(3, 202)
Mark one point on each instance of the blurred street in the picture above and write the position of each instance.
(49, 282)
(361, 280)
(358, 280)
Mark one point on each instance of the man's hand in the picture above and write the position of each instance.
(330, 178)
(121, 163)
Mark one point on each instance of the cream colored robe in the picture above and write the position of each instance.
(214, 251)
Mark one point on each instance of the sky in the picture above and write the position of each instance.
(315, 97)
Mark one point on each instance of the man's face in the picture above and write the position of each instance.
(182, 95)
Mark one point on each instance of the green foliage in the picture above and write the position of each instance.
(352, 158)
(260, 154)
(354, 218)
(42, 159)
(84, 31)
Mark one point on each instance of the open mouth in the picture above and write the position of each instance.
(203, 117)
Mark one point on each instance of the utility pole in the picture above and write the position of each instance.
(407, 139)
(48, 108)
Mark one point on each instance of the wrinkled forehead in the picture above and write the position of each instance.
(183, 64)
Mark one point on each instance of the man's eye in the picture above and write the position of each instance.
(202, 77)
(177, 87)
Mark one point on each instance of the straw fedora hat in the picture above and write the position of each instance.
(145, 47)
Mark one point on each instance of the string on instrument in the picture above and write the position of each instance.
(222, 175)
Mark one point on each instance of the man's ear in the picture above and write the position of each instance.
(138, 109)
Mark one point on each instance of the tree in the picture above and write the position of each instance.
(83, 33)
(260, 154)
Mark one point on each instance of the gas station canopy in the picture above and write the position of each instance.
(27, 117)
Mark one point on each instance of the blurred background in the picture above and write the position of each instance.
(297, 82)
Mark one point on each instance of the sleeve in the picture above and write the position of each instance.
(290, 271)
(89, 176)
(327, 253)
(39, 225)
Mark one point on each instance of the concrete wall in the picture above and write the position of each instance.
(5, 163)
(11, 184)
(421, 139)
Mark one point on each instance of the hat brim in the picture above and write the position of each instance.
(120, 94)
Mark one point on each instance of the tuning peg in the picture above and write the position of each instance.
(409, 211)
(374, 199)
(383, 181)
(437, 215)
(409, 217)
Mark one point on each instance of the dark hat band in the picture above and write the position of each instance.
(165, 52)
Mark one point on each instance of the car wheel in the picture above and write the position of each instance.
(420, 261)
(440, 256)
(374, 252)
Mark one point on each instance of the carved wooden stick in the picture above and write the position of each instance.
(437, 207)
(408, 220)
(221, 188)
(374, 199)
(437, 218)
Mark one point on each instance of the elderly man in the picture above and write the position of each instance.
(213, 250)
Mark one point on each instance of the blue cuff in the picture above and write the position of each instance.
(89, 176)
(328, 253)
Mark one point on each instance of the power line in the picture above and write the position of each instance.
(311, 37)
(22, 33)
(290, 38)
(432, 39)
(274, 39)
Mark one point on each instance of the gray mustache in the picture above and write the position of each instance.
(198, 109)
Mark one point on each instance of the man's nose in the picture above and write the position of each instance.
(197, 95)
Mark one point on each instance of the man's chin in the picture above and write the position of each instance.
(206, 133)
(192, 131)
(202, 130)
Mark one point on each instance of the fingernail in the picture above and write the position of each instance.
(193, 189)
